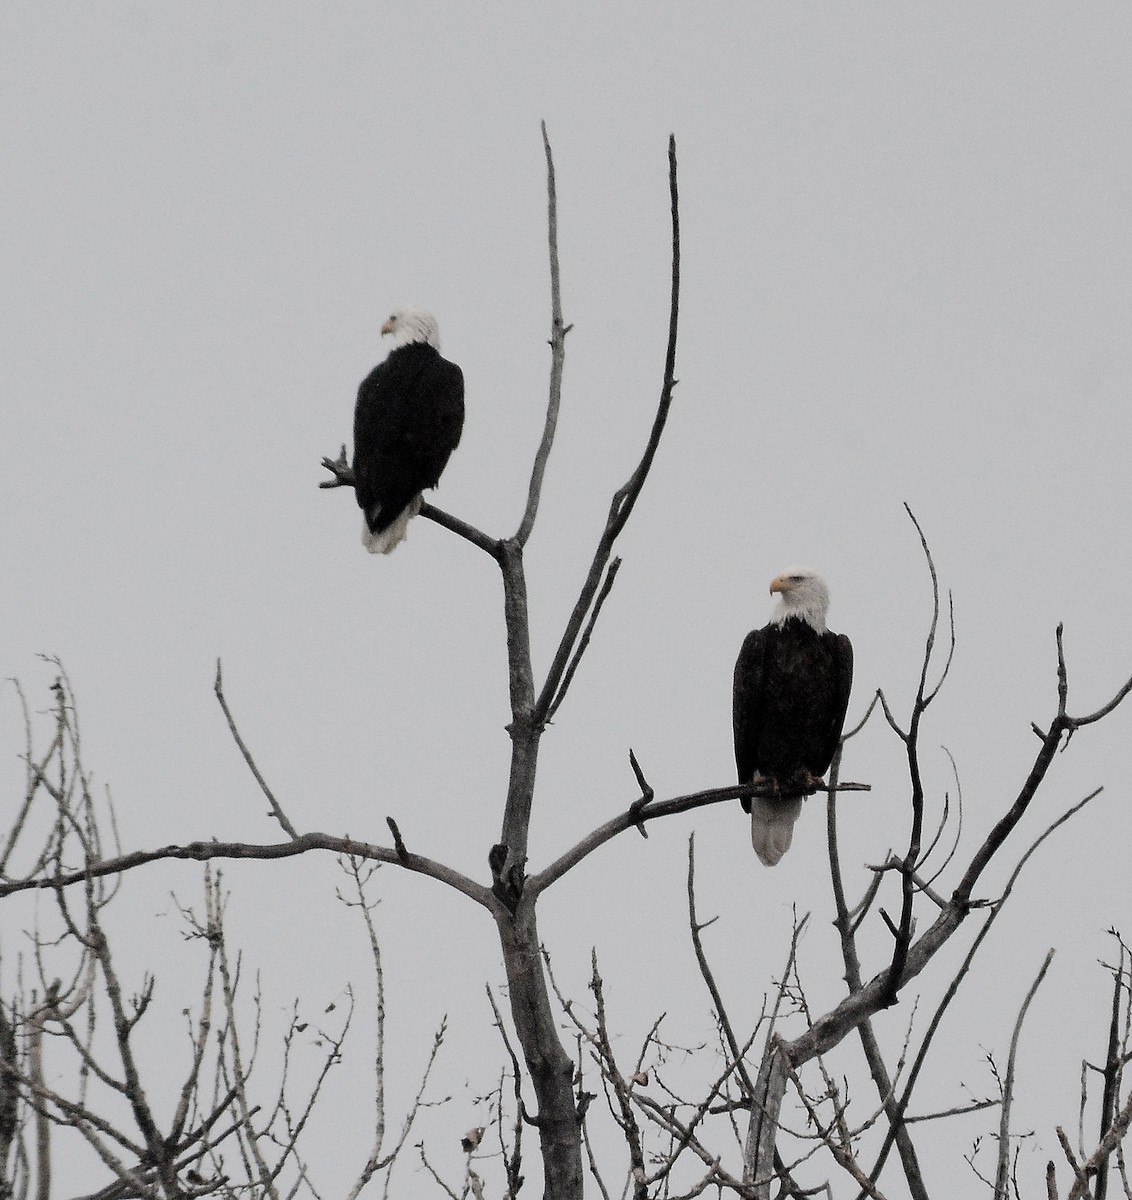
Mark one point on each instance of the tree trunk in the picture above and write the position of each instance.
(551, 1068)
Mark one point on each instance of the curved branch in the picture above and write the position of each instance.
(923, 697)
(1103, 711)
(302, 844)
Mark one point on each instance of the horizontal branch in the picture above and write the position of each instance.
(638, 813)
(303, 844)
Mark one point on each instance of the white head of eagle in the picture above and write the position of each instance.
(407, 421)
(790, 693)
(407, 325)
(802, 593)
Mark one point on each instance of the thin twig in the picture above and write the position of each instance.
(277, 811)
(705, 971)
(584, 640)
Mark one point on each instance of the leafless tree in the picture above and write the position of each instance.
(772, 1110)
(76, 1020)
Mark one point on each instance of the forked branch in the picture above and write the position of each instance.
(624, 499)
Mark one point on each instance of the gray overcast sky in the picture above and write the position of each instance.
(907, 264)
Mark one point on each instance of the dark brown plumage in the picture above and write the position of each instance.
(407, 421)
(790, 694)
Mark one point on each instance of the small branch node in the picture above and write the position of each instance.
(398, 841)
(645, 798)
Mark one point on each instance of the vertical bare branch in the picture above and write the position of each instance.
(353, 867)
(9, 1101)
(513, 1159)
(1114, 1056)
(911, 743)
(760, 1162)
(737, 1055)
(558, 332)
(625, 497)
(894, 1111)
(621, 1089)
(1002, 1174)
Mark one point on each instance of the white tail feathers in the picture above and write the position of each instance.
(392, 536)
(772, 826)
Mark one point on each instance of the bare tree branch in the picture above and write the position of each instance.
(343, 476)
(737, 1056)
(961, 974)
(1002, 1175)
(303, 844)
(558, 332)
(276, 810)
(584, 640)
(624, 499)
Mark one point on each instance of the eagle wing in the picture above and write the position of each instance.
(747, 704)
(408, 420)
(842, 686)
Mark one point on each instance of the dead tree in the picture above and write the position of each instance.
(764, 1069)
(181, 1157)
(69, 1057)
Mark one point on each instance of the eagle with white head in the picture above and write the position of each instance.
(407, 421)
(791, 691)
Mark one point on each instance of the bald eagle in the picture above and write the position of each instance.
(791, 690)
(407, 422)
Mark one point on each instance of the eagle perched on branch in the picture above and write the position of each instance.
(791, 691)
(407, 421)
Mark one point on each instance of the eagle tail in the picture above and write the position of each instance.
(772, 826)
(384, 540)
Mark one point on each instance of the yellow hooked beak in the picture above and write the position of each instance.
(780, 583)
(387, 327)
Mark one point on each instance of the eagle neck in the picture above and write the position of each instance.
(815, 620)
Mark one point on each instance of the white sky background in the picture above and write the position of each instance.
(907, 239)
